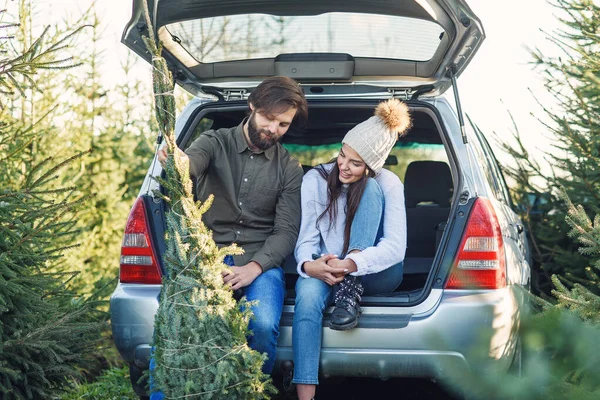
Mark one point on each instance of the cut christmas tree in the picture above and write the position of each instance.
(200, 330)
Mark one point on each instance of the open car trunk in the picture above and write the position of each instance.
(355, 46)
(421, 159)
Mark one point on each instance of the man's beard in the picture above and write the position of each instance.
(256, 136)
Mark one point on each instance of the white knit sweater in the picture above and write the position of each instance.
(322, 239)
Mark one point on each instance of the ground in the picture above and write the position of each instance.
(374, 389)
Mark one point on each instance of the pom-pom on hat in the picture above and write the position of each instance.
(374, 138)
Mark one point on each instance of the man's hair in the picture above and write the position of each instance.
(278, 94)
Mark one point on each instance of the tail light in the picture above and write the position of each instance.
(480, 262)
(139, 263)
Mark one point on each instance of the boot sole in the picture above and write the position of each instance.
(345, 327)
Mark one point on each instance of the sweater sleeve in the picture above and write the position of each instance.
(309, 238)
(391, 248)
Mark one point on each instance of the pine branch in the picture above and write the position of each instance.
(47, 175)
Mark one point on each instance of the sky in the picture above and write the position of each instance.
(498, 80)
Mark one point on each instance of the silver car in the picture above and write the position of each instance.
(467, 250)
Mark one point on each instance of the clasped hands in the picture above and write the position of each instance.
(329, 268)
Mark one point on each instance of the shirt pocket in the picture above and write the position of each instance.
(264, 200)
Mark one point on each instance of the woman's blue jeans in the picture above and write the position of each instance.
(313, 296)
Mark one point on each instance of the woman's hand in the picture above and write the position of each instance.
(347, 265)
(319, 269)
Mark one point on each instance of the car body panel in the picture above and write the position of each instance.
(132, 311)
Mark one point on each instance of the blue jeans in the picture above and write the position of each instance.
(269, 289)
(313, 296)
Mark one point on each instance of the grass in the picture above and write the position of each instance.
(113, 384)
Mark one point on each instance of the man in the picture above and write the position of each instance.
(256, 184)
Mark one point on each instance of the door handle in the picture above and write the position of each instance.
(520, 228)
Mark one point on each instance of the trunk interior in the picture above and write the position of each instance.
(420, 159)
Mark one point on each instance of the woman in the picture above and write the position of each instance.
(352, 236)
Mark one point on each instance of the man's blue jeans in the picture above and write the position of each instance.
(313, 296)
(269, 290)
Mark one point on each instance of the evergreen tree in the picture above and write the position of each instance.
(574, 81)
(114, 124)
(200, 330)
(46, 330)
(580, 299)
(83, 112)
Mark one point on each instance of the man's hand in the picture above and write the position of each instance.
(162, 154)
(320, 269)
(239, 277)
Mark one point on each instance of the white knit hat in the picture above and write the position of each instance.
(374, 138)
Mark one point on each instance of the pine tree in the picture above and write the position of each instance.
(46, 330)
(580, 299)
(574, 81)
(116, 128)
(85, 113)
(200, 330)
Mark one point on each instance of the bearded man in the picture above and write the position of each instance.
(256, 184)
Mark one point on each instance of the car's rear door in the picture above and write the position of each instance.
(214, 45)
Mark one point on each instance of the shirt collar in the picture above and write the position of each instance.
(242, 144)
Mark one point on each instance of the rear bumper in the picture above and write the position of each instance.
(426, 341)
(132, 310)
(384, 364)
(461, 329)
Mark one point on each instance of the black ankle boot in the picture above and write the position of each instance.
(289, 388)
(347, 309)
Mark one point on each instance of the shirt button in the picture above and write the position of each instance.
(241, 221)
(238, 232)
(245, 179)
(251, 157)
(240, 203)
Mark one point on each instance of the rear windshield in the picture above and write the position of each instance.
(400, 157)
(254, 36)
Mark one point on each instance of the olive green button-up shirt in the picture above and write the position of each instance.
(257, 195)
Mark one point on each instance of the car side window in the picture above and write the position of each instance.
(484, 160)
(203, 125)
(498, 171)
(492, 171)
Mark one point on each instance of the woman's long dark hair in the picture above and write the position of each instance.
(334, 189)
